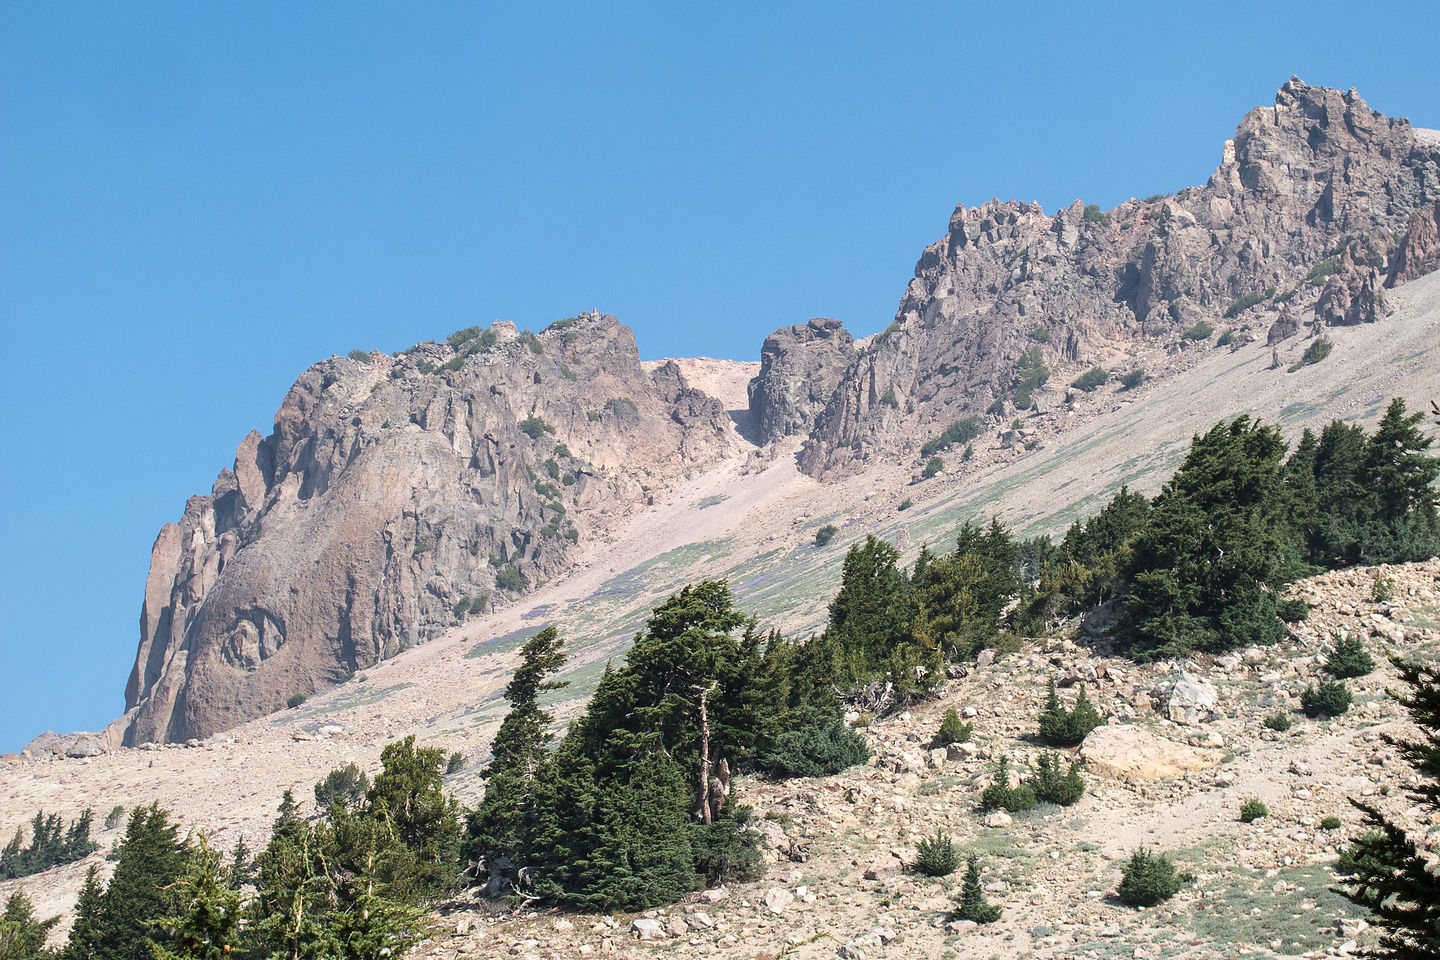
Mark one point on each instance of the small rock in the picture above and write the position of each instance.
(646, 929)
(777, 899)
(999, 819)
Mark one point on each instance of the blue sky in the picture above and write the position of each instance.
(199, 200)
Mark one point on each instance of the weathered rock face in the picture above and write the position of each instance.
(391, 490)
(1285, 326)
(1316, 169)
(1352, 295)
(1419, 252)
(799, 369)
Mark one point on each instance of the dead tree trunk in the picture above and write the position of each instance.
(704, 808)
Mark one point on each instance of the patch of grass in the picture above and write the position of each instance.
(1247, 301)
(961, 431)
(1133, 379)
(1039, 335)
(1320, 271)
(1248, 909)
(714, 500)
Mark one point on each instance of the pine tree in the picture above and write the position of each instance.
(971, 903)
(151, 858)
(1391, 877)
(420, 821)
(22, 936)
(294, 892)
(85, 932)
(207, 926)
(1401, 477)
(498, 827)
(367, 926)
(242, 866)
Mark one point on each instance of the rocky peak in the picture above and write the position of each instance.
(394, 496)
(1009, 291)
(799, 368)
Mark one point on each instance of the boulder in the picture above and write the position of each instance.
(1285, 326)
(1124, 750)
(1191, 699)
(644, 928)
(84, 746)
(777, 899)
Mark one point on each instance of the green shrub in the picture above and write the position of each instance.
(888, 399)
(345, 785)
(825, 534)
(1247, 301)
(1067, 728)
(1382, 589)
(971, 903)
(905, 504)
(932, 466)
(114, 818)
(1349, 659)
(1326, 699)
(295, 700)
(1039, 335)
(1201, 331)
(1279, 722)
(1252, 810)
(362, 355)
(1360, 855)
(1293, 610)
(511, 579)
(564, 323)
(1054, 786)
(819, 748)
(952, 730)
(552, 468)
(1320, 271)
(1147, 880)
(424, 366)
(1226, 338)
(1330, 823)
(616, 404)
(568, 374)
(453, 364)
(547, 489)
(531, 341)
(1318, 350)
(1090, 379)
(455, 764)
(961, 431)
(461, 606)
(936, 856)
(1001, 796)
(1093, 214)
(997, 408)
(463, 336)
(533, 427)
(1133, 379)
(561, 450)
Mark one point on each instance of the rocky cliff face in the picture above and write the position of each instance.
(1008, 290)
(1419, 252)
(395, 495)
(800, 367)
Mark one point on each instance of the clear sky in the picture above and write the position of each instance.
(199, 200)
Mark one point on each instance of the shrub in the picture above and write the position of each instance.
(1320, 271)
(817, 749)
(1293, 610)
(1252, 810)
(463, 336)
(547, 489)
(510, 578)
(1349, 659)
(825, 534)
(1330, 823)
(936, 856)
(1201, 331)
(357, 354)
(932, 466)
(1318, 350)
(971, 903)
(888, 398)
(453, 364)
(295, 700)
(568, 374)
(1001, 796)
(1039, 335)
(1226, 338)
(952, 730)
(345, 785)
(1093, 214)
(997, 408)
(462, 606)
(1247, 301)
(961, 431)
(1382, 590)
(1359, 856)
(1067, 728)
(1053, 786)
(455, 764)
(1147, 880)
(533, 342)
(1279, 722)
(114, 817)
(533, 427)
(1326, 699)
(905, 504)
(1090, 379)
(1133, 379)
(616, 404)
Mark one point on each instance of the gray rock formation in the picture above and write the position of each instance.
(390, 496)
(1354, 294)
(1008, 288)
(1285, 326)
(799, 369)
(1419, 252)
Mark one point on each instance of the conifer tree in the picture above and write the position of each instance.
(85, 932)
(971, 903)
(22, 935)
(1391, 875)
(207, 925)
(506, 814)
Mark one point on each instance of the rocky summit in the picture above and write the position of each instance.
(394, 497)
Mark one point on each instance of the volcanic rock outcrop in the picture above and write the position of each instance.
(1010, 291)
(799, 369)
(395, 495)
(1419, 252)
